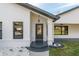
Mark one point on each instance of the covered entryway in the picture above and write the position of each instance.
(39, 32)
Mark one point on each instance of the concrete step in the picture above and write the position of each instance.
(39, 45)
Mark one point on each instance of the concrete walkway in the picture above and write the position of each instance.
(45, 53)
(14, 51)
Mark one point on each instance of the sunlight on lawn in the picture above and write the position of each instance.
(71, 48)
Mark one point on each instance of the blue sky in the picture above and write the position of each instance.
(55, 8)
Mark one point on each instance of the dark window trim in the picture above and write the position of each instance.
(54, 30)
(14, 30)
(1, 30)
(61, 30)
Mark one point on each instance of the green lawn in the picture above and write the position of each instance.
(71, 48)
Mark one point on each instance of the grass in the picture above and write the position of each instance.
(71, 48)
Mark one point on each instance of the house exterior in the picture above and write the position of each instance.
(67, 27)
(23, 25)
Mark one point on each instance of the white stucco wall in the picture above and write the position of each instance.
(71, 17)
(73, 31)
(8, 14)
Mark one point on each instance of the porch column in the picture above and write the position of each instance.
(50, 32)
(27, 32)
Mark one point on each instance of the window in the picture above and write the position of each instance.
(18, 30)
(0, 30)
(61, 30)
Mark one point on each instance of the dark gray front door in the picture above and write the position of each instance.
(39, 33)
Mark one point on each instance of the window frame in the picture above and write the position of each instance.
(61, 30)
(1, 31)
(14, 36)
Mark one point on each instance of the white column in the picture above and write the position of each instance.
(27, 32)
(50, 32)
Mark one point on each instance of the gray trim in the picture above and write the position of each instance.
(56, 40)
(59, 39)
(36, 9)
(68, 10)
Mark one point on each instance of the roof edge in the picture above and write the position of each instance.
(34, 8)
(68, 10)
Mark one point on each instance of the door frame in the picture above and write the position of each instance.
(39, 38)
